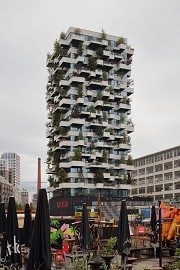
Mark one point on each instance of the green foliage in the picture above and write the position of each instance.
(57, 48)
(122, 159)
(80, 136)
(48, 56)
(99, 52)
(56, 237)
(77, 154)
(130, 160)
(104, 116)
(62, 35)
(99, 131)
(80, 90)
(110, 246)
(104, 76)
(121, 40)
(111, 171)
(104, 155)
(103, 34)
(92, 109)
(80, 49)
(98, 176)
(92, 63)
(77, 31)
(75, 111)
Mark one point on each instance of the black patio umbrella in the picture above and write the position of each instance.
(40, 250)
(123, 234)
(2, 218)
(84, 230)
(27, 225)
(153, 225)
(11, 249)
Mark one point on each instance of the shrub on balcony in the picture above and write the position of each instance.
(80, 49)
(122, 159)
(121, 40)
(104, 156)
(77, 154)
(92, 109)
(130, 160)
(99, 52)
(99, 131)
(77, 31)
(98, 176)
(80, 90)
(80, 136)
(103, 34)
(104, 116)
(92, 63)
(104, 76)
(111, 171)
(62, 35)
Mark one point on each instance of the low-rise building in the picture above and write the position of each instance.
(157, 175)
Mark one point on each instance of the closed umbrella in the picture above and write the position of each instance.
(2, 223)
(84, 230)
(153, 225)
(2, 217)
(27, 225)
(123, 234)
(11, 249)
(40, 250)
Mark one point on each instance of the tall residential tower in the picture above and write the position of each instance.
(89, 106)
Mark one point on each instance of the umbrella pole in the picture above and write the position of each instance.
(99, 223)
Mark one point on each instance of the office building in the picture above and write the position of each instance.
(157, 175)
(89, 107)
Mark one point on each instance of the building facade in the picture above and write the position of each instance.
(6, 190)
(89, 106)
(14, 173)
(24, 196)
(157, 175)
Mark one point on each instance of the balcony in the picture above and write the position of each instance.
(66, 102)
(98, 103)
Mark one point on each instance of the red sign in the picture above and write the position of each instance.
(62, 204)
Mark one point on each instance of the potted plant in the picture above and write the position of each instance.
(108, 252)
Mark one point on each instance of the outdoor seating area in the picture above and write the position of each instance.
(83, 249)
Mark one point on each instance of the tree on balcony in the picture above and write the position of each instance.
(56, 118)
(98, 96)
(111, 171)
(99, 52)
(62, 35)
(75, 111)
(77, 154)
(99, 131)
(103, 34)
(92, 109)
(104, 156)
(80, 136)
(122, 159)
(98, 176)
(77, 31)
(63, 131)
(80, 90)
(130, 160)
(92, 63)
(104, 76)
(80, 49)
(104, 116)
(121, 40)
(122, 118)
(61, 174)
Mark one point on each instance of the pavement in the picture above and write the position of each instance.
(150, 262)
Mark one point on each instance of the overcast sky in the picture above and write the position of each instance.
(27, 32)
